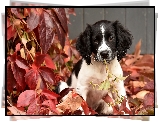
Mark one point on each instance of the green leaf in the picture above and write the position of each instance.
(135, 101)
(122, 78)
(104, 85)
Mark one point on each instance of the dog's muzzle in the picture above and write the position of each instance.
(105, 55)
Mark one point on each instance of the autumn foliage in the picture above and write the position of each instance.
(140, 84)
(40, 54)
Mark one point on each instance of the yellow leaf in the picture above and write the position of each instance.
(22, 53)
(24, 41)
(32, 51)
(17, 22)
(105, 85)
(122, 78)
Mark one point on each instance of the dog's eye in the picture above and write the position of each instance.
(96, 41)
(111, 38)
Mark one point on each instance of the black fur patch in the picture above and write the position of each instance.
(75, 70)
(69, 81)
(57, 88)
(100, 108)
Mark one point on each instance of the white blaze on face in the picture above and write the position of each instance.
(102, 29)
(103, 46)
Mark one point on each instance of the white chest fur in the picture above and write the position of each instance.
(97, 71)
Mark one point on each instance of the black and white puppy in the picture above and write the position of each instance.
(104, 40)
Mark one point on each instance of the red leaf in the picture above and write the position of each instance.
(27, 11)
(49, 62)
(8, 22)
(46, 31)
(60, 32)
(127, 111)
(149, 86)
(39, 59)
(58, 77)
(137, 49)
(74, 95)
(149, 75)
(33, 19)
(70, 11)
(19, 75)
(67, 112)
(123, 105)
(22, 63)
(12, 58)
(31, 78)
(107, 99)
(47, 74)
(92, 112)
(11, 82)
(33, 108)
(149, 99)
(85, 107)
(75, 52)
(49, 94)
(16, 11)
(34, 67)
(10, 32)
(77, 112)
(70, 49)
(17, 48)
(60, 12)
(115, 110)
(51, 104)
(25, 98)
(146, 60)
(60, 57)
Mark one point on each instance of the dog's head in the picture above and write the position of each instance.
(105, 40)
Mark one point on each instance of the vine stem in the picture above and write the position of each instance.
(36, 42)
(119, 99)
(17, 30)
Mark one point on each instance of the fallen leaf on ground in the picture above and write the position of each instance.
(71, 103)
(15, 111)
(140, 94)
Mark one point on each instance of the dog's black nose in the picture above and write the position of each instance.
(104, 54)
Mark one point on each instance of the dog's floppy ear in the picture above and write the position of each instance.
(83, 44)
(123, 38)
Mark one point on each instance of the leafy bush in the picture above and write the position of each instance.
(39, 54)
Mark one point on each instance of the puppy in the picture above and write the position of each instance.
(103, 41)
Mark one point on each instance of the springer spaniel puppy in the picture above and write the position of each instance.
(103, 41)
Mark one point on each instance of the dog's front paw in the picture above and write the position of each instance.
(108, 110)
